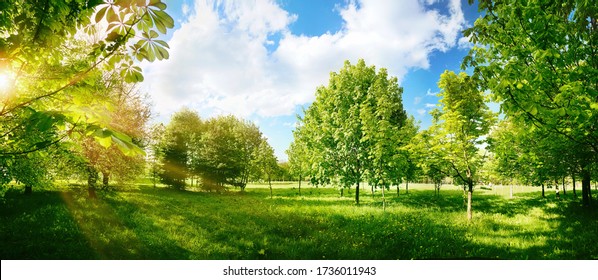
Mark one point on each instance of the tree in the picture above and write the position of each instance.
(265, 163)
(50, 55)
(429, 159)
(177, 146)
(539, 60)
(129, 115)
(352, 128)
(458, 126)
(229, 148)
(298, 158)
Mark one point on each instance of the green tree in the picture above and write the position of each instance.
(539, 60)
(458, 127)
(299, 160)
(265, 164)
(352, 128)
(177, 146)
(229, 149)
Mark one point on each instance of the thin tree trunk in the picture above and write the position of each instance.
(357, 194)
(564, 187)
(469, 196)
(92, 177)
(105, 179)
(543, 195)
(573, 179)
(585, 186)
(270, 184)
(28, 190)
(511, 192)
(383, 200)
(300, 184)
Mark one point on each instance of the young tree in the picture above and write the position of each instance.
(298, 158)
(351, 128)
(130, 115)
(176, 148)
(458, 127)
(229, 148)
(265, 163)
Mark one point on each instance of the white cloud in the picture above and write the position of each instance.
(464, 43)
(430, 105)
(186, 9)
(431, 93)
(223, 59)
(421, 112)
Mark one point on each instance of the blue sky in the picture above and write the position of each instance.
(262, 60)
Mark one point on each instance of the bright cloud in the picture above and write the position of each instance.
(224, 60)
(431, 93)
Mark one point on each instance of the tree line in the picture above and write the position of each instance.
(537, 60)
(217, 152)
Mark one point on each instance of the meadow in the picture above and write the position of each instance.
(142, 222)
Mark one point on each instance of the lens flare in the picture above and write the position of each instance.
(4, 81)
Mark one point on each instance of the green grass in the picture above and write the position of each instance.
(147, 223)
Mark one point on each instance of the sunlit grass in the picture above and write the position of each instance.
(146, 223)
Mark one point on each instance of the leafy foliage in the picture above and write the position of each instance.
(539, 60)
(353, 130)
(54, 53)
(457, 131)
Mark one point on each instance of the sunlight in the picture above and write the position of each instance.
(5, 81)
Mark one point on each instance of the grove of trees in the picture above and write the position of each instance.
(69, 106)
(220, 151)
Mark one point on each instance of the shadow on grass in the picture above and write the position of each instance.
(148, 223)
(39, 226)
(67, 225)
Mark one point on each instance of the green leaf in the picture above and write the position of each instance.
(100, 14)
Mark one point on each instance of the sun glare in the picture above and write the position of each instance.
(4, 81)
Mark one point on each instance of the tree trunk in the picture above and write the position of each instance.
(573, 179)
(357, 194)
(105, 179)
(28, 190)
(92, 177)
(383, 199)
(564, 187)
(543, 195)
(469, 195)
(585, 186)
(270, 184)
(398, 189)
(511, 192)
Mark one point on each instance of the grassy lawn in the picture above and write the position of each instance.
(147, 223)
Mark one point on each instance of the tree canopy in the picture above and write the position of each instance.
(53, 55)
(539, 61)
(353, 130)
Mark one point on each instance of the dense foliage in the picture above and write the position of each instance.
(220, 151)
(353, 131)
(54, 56)
(539, 60)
